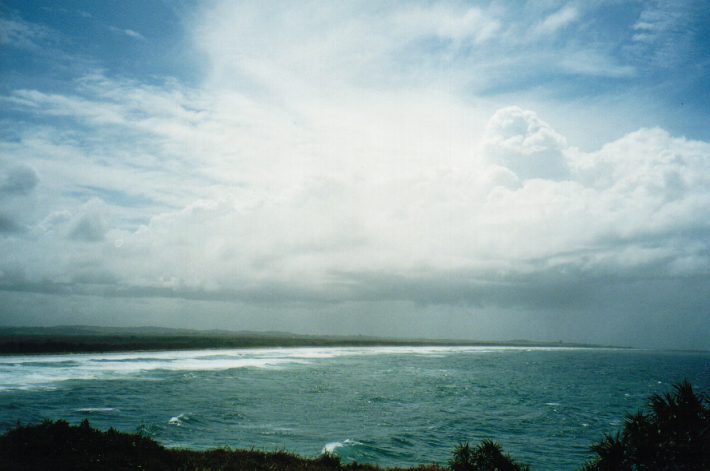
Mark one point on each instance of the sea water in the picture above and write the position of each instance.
(383, 405)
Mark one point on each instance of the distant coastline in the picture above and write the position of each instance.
(93, 339)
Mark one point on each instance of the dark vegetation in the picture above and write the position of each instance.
(60, 446)
(84, 339)
(488, 456)
(673, 435)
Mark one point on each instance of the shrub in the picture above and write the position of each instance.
(673, 435)
(487, 456)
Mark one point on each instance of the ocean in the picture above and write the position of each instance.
(382, 405)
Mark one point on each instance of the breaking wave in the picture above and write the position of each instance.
(48, 371)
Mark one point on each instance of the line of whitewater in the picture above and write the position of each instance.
(48, 371)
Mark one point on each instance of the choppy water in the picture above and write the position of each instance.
(380, 405)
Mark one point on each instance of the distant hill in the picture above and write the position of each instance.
(81, 338)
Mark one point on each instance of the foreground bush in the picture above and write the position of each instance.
(674, 435)
(60, 446)
(488, 456)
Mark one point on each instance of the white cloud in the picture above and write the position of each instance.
(128, 32)
(645, 193)
(20, 34)
(657, 19)
(557, 20)
(471, 25)
(521, 141)
(133, 34)
(309, 52)
(663, 34)
(248, 191)
(594, 64)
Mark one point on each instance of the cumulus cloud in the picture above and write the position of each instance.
(520, 141)
(89, 226)
(474, 228)
(629, 207)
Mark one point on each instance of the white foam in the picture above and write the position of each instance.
(48, 371)
(35, 372)
(177, 420)
(330, 447)
(96, 409)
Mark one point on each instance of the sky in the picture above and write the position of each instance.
(478, 170)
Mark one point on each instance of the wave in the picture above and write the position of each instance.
(99, 410)
(177, 420)
(350, 450)
(331, 447)
(31, 372)
(182, 419)
(19, 373)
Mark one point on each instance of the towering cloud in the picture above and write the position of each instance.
(519, 140)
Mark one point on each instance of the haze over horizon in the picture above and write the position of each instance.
(485, 170)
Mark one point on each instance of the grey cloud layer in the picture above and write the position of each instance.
(18, 180)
